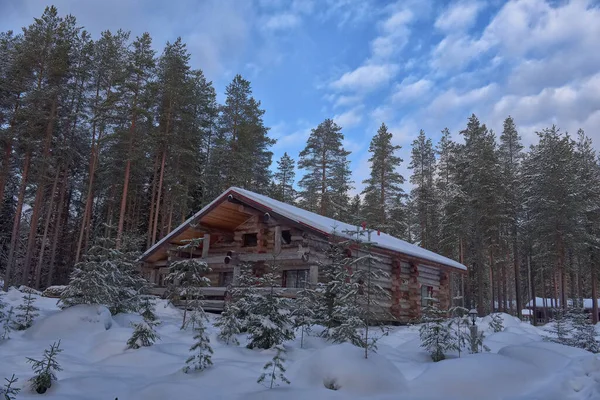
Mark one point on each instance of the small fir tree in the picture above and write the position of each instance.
(26, 312)
(45, 369)
(269, 316)
(559, 328)
(8, 392)
(186, 278)
(274, 370)
(243, 293)
(435, 333)
(496, 322)
(460, 324)
(203, 352)
(303, 313)
(584, 332)
(106, 276)
(229, 324)
(8, 324)
(143, 335)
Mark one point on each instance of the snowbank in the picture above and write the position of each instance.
(344, 368)
(476, 377)
(74, 321)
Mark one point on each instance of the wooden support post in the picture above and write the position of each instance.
(205, 245)
(236, 274)
(313, 274)
(396, 288)
(277, 240)
(414, 293)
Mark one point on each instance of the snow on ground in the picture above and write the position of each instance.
(97, 365)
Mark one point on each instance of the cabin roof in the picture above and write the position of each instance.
(311, 221)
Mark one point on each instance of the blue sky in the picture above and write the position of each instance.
(413, 64)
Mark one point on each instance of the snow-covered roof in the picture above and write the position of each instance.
(317, 222)
(539, 302)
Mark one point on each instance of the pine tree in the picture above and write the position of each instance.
(384, 187)
(584, 332)
(269, 320)
(8, 392)
(274, 370)
(459, 325)
(45, 369)
(284, 176)
(435, 333)
(327, 179)
(243, 293)
(202, 359)
(229, 324)
(496, 323)
(423, 195)
(26, 312)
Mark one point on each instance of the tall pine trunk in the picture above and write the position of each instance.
(14, 239)
(57, 225)
(38, 268)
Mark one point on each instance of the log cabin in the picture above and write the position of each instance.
(241, 226)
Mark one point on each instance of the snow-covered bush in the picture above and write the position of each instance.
(584, 332)
(274, 370)
(26, 312)
(435, 333)
(8, 392)
(106, 276)
(202, 358)
(45, 369)
(303, 313)
(54, 291)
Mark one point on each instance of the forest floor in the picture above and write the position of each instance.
(97, 365)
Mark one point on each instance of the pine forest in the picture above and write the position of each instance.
(107, 139)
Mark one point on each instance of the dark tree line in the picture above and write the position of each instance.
(107, 139)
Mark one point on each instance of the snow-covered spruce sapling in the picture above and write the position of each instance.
(559, 328)
(459, 326)
(186, 278)
(274, 370)
(584, 332)
(303, 313)
(106, 276)
(26, 312)
(496, 322)
(8, 324)
(269, 316)
(202, 352)
(8, 392)
(144, 333)
(229, 324)
(435, 333)
(45, 369)
(3, 307)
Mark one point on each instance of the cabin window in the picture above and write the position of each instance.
(286, 237)
(426, 295)
(295, 278)
(249, 239)
(226, 278)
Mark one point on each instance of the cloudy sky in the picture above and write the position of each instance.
(413, 64)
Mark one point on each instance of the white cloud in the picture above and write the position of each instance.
(366, 77)
(281, 21)
(344, 100)
(459, 16)
(349, 118)
(394, 35)
(405, 91)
